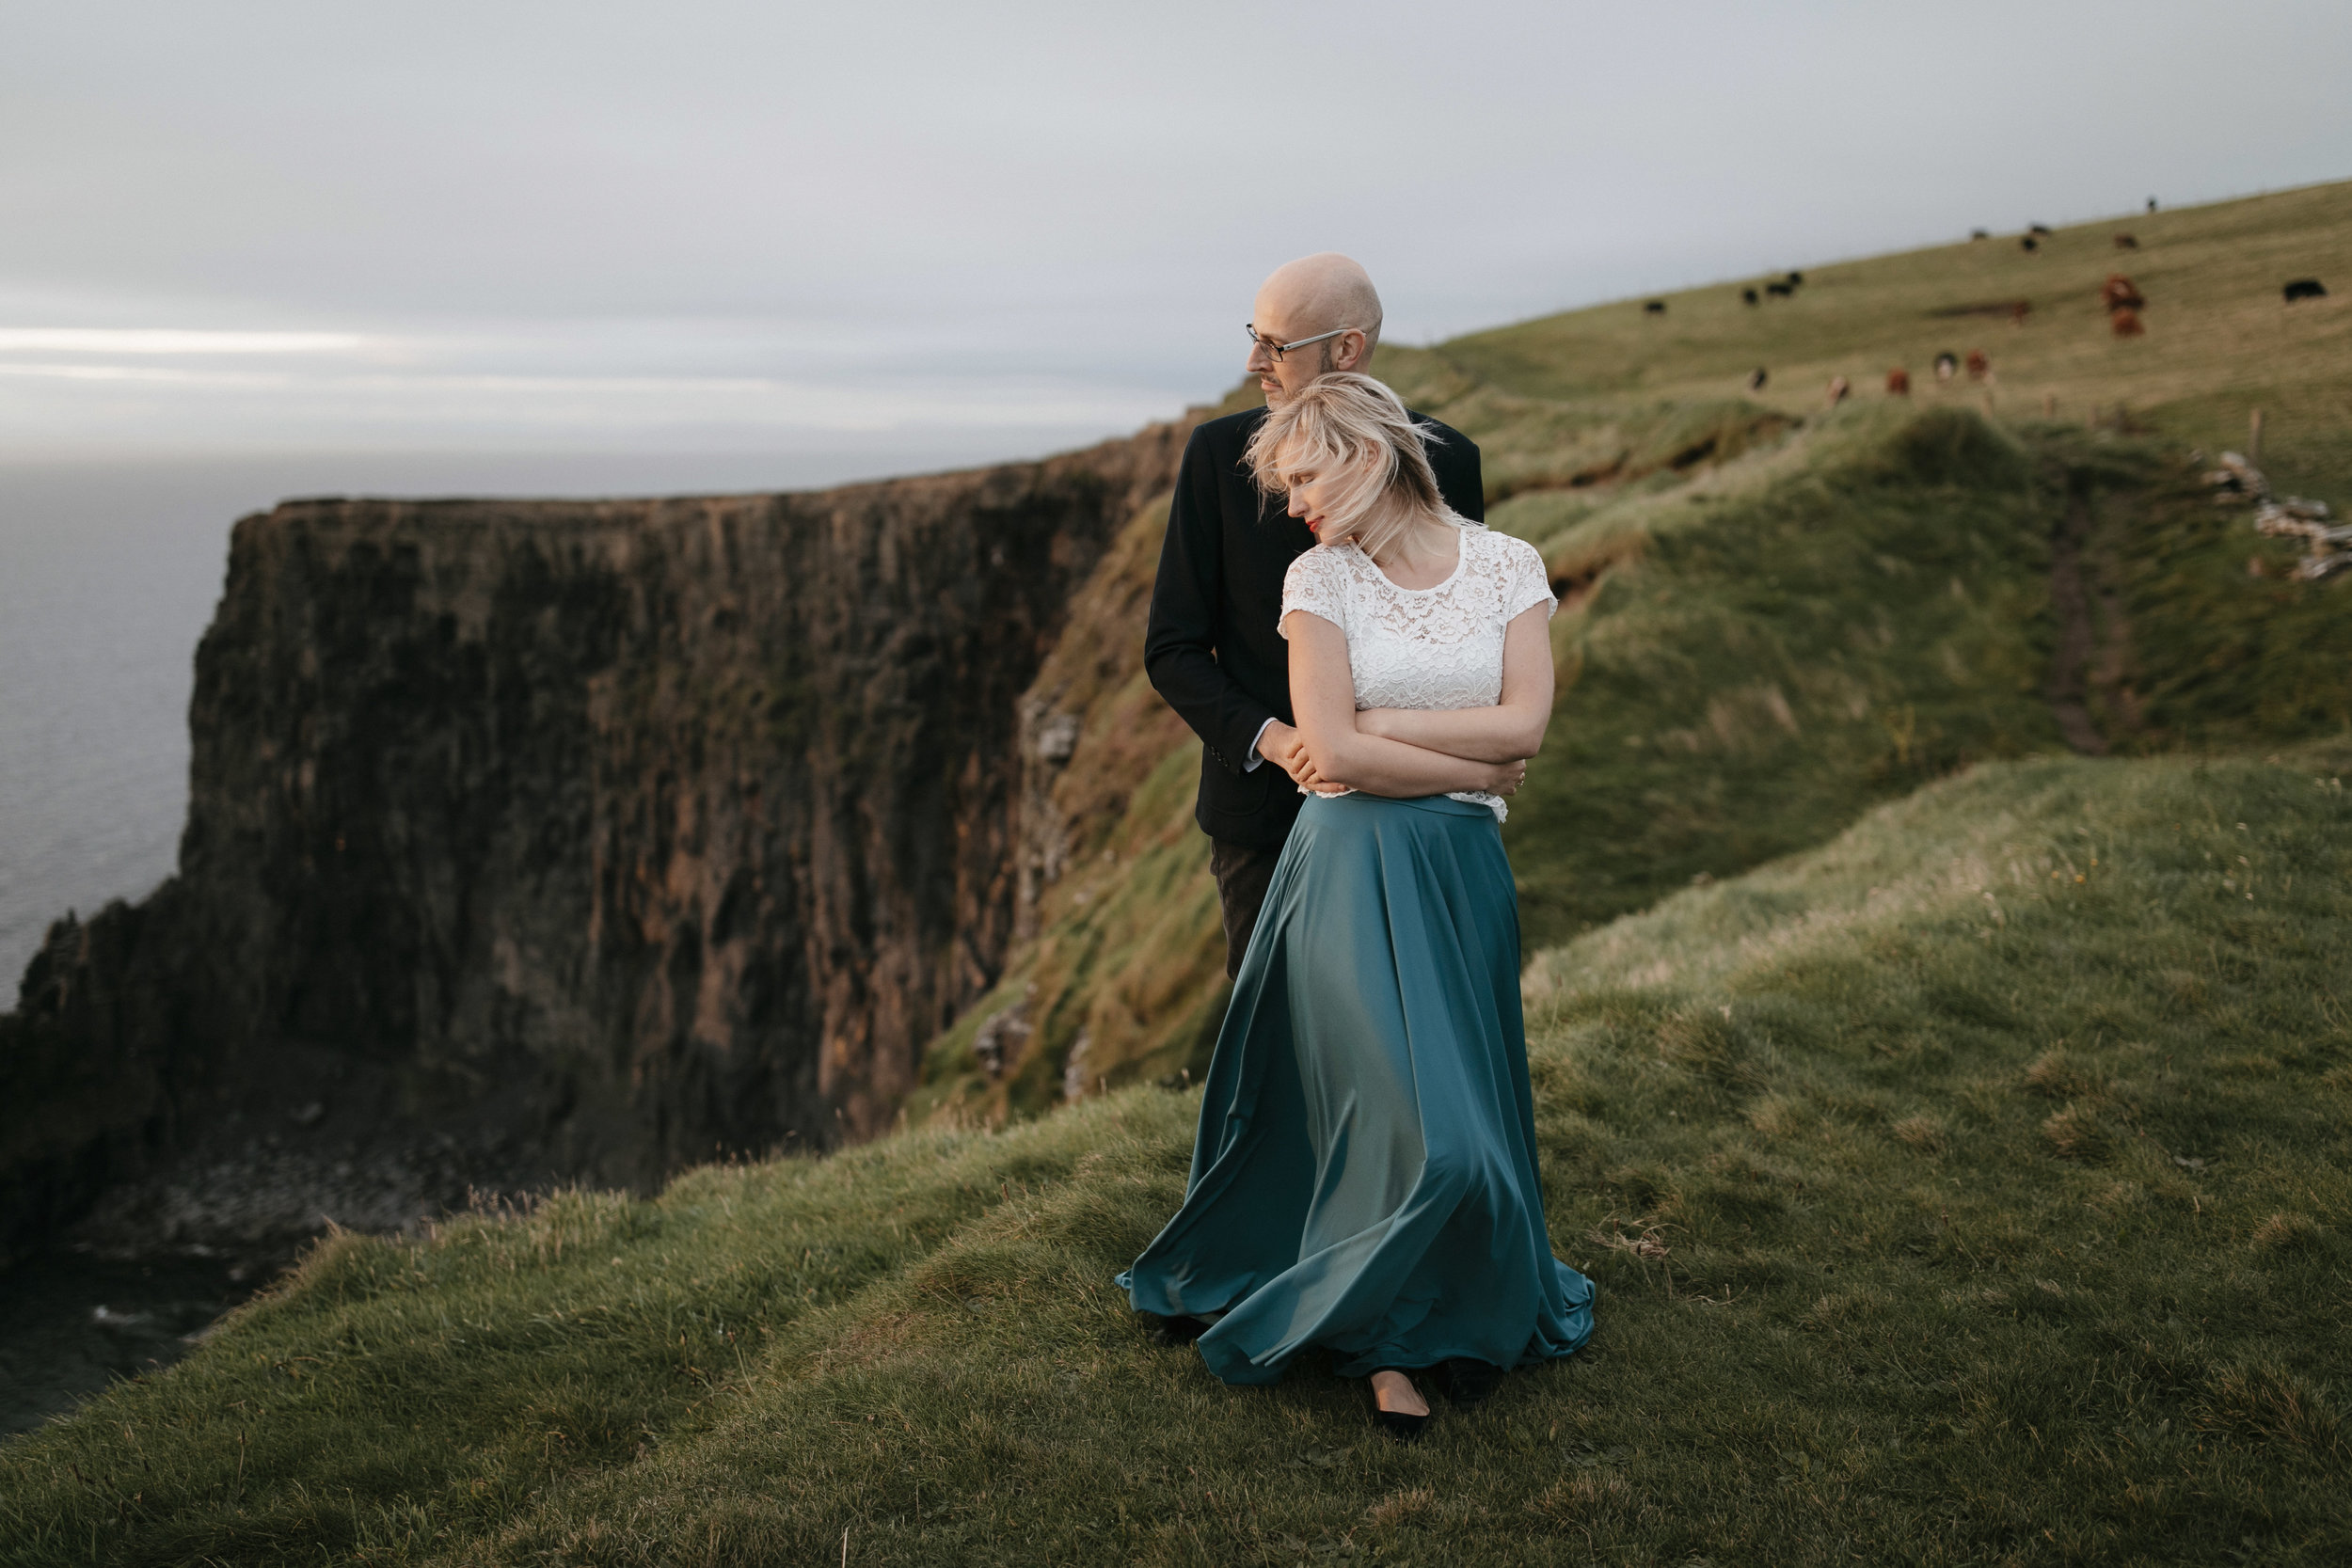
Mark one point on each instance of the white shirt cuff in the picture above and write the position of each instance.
(1249, 763)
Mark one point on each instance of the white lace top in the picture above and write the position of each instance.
(1425, 647)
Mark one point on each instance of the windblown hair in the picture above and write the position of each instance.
(1345, 425)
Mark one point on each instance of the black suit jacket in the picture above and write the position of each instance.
(1212, 648)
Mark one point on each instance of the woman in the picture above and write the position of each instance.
(1364, 1175)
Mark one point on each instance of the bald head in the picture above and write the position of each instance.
(1307, 298)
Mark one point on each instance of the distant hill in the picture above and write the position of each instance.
(1782, 612)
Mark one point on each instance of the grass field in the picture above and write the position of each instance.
(1957, 1127)
(1783, 613)
(1971, 1189)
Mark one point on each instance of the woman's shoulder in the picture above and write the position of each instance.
(1324, 564)
(1500, 551)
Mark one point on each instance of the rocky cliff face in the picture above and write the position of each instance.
(537, 840)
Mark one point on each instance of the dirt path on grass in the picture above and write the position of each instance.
(2091, 660)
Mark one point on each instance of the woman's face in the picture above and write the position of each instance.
(1314, 492)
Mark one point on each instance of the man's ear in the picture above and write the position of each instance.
(1347, 351)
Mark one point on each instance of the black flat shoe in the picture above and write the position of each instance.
(1470, 1384)
(1175, 1332)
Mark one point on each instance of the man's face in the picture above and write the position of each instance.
(1279, 321)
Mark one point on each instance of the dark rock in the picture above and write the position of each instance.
(554, 841)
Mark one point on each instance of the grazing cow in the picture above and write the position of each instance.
(1655, 308)
(2305, 288)
(1780, 290)
(1898, 383)
(1980, 365)
(1755, 382)
(2127, 242)
(1946, 366)
(1980, 234)
(2119, 293)
(1837, 390)
(2029, 243)
(2127, 321)
(2037, 229)
(1748, 296)
(1795, 278)
(2018, 313)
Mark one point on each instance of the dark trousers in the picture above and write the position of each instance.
(1242, 875)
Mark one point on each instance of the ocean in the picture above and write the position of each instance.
(110, 571)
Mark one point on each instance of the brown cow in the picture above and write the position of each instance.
(2127, 321)
(2127, 242)
(2119, 293)
(1980, 365)
(1899, 382)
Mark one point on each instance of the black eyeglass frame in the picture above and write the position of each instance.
(1276, 350)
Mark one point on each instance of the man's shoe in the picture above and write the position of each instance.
(1470, 1384)
(1177, 1331)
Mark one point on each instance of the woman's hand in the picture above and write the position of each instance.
(1508, 777)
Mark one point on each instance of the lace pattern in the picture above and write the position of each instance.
(1425, 647)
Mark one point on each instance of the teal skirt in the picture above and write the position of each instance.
(1364, 1175)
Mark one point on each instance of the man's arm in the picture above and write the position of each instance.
(1461, 476)
(1180, 638)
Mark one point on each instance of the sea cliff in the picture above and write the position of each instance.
(533, 842)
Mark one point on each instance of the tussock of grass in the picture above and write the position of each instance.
(1853, 1302)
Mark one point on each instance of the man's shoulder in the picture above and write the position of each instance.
(1228, 431)
(1443, 431)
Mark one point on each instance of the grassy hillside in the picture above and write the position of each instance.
(1972, 1189)
(1784, 614)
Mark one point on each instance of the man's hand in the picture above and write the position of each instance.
(1282, 746)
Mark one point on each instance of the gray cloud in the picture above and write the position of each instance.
(709, 224)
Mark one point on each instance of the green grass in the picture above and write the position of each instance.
(1972, 1189)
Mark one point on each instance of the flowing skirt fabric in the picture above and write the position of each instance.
(1364, 1175)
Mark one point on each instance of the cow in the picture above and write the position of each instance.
(1980, 365)
(1780, 290)
(2037, 229)
(2127, 321)
(1795, 278)
(1946, 366)
(2305, 288)
(1755, 382)
(2127, 242)
(1898, 383)
(2018, 313)
(1653, 308)
(2029, 244)
(1748, 296)
(1837, 390)
(1980, 234)
(2119, 293)
(2151, 203)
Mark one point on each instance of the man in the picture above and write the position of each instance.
(1212, 648)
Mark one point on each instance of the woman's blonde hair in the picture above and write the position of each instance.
(1345, 425)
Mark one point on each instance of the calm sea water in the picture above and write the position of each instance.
(109, 573)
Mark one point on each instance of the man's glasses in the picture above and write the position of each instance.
(1276, 350)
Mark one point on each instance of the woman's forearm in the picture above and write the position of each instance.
(1379, 766)
(1504, 733)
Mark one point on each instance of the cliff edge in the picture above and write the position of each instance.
(548, 840)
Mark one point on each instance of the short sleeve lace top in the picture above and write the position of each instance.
(1425, 647)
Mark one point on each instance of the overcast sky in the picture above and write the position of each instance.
(962, 230)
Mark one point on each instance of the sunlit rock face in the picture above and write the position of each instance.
(532, 841)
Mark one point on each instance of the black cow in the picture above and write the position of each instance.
(1655, 308)
(2305, 288)
(1780, 290)
(1755, 382)
(2037, 229)
(1795, 278)
(2029, 244)
(1747, 297)
(1980, 234)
